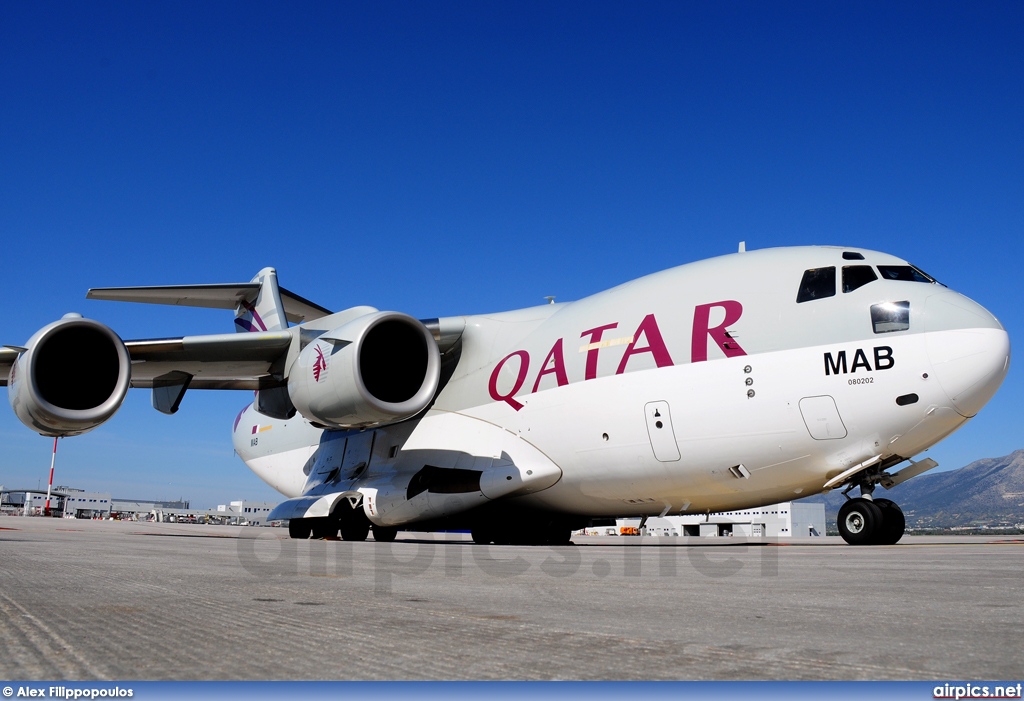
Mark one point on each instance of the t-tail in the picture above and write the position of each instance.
(262, 309)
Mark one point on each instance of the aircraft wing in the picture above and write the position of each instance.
(7, 358)
(218, 361)
(251, 360)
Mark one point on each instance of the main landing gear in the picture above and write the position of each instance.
(348, 529)
(347, 520)
(537, 532)
(867, 521)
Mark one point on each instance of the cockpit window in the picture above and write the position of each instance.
(817, 283)
(855, 276)
(890, 316)
(906, 273)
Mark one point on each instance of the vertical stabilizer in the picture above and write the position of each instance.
(262, 310)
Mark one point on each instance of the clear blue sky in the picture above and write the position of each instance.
(445, 158)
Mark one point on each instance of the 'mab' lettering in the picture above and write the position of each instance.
(883, 353)
(837, 365)
(860, 361)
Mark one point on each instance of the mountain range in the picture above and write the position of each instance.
(987, 492)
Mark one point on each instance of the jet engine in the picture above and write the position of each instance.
(71, 377)
(374, 370)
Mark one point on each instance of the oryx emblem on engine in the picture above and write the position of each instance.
(320, 364)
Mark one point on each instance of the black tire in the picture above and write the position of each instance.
(324, 528)
(859, 521)
(356, 530)
(893, 523)
(299, 528)
(560, 536)
(482, 536)
(383, 534)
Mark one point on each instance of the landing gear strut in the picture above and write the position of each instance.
(867, 521)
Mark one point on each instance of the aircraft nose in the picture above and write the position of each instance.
(968, 348)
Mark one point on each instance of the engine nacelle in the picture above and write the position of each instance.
(377, 369)
(73, 376)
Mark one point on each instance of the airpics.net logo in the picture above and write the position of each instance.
(978, 691)
(267, 554)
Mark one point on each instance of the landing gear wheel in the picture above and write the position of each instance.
(355, 530)
(324, 528)
(859, 521)
(893, 523)
(482, 536)
(299, 528)
(560, 536)
(383, 534)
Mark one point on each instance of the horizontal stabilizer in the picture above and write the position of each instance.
(221, 296)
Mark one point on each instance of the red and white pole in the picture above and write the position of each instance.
(49, 486)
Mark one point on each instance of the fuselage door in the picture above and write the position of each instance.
(822, 418)
(659, 428)
(328, 457)
(357, 454)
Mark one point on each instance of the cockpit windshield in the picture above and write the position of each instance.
(856, 276)
(817, 283)
(905, 273)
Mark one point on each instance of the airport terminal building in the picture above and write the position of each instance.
(776, 521)
(64, 501)
(68, 502)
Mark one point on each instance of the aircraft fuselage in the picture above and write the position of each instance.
(706, 387)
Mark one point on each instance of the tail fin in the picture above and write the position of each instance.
(260, 304)
(262, 310)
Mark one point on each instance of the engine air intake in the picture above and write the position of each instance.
(73, 376)
(77, 368)
(393, 361)
(377, 369)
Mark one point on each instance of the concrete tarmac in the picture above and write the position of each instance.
(84, 600)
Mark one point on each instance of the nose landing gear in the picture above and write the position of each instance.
(867, 521)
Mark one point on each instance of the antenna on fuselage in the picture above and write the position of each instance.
(550, 299)
(743, 247)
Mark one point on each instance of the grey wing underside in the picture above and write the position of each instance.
(7, 358)
(220, 361)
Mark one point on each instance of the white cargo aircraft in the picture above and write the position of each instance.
(730, 383)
